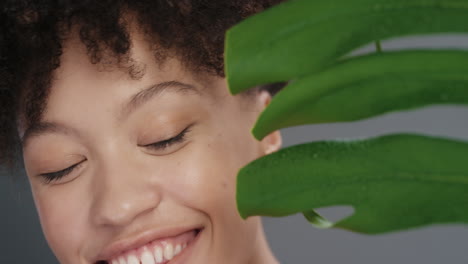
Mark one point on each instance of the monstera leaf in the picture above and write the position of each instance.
(393, 182)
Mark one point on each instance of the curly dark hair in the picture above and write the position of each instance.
(32, 33)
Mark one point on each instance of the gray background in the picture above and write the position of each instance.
(292, 239)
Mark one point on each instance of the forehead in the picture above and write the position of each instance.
(142, 61)
(79, 80)
(140, 67)
(77, 76)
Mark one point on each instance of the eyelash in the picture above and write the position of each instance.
(161, 145)
(55, 176)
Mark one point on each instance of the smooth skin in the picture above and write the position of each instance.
(122, 186)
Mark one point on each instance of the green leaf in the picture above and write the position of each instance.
(368, 86)
(299, 37)
(393, 182)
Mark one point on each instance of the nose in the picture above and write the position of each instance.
(122, 193)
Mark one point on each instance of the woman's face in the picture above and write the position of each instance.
(130, 171)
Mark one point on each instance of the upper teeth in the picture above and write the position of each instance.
(158, 254)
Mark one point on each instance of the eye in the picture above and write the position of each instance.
(57, 175)
(164, 144)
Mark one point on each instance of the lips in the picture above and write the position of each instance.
(149, 248)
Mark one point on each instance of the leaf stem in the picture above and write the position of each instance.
(378, 46)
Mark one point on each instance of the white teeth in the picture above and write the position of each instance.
(147, 258)
(168, 251)
(158, 254)
(177, 250)
(122, 260)
(132, 260)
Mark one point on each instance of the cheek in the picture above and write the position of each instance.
(207, 182)
(213, 192)
(208, 170)
(204, 178)
(63, 221)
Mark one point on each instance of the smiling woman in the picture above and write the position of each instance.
(129, 136)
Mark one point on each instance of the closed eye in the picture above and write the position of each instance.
(161, 145)
(57, 175)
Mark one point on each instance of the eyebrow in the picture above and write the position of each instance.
(40, 128)
(135, 102)
(145, 95)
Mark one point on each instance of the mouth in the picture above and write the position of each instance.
(161, 251)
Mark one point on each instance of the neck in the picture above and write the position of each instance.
(264, 254)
